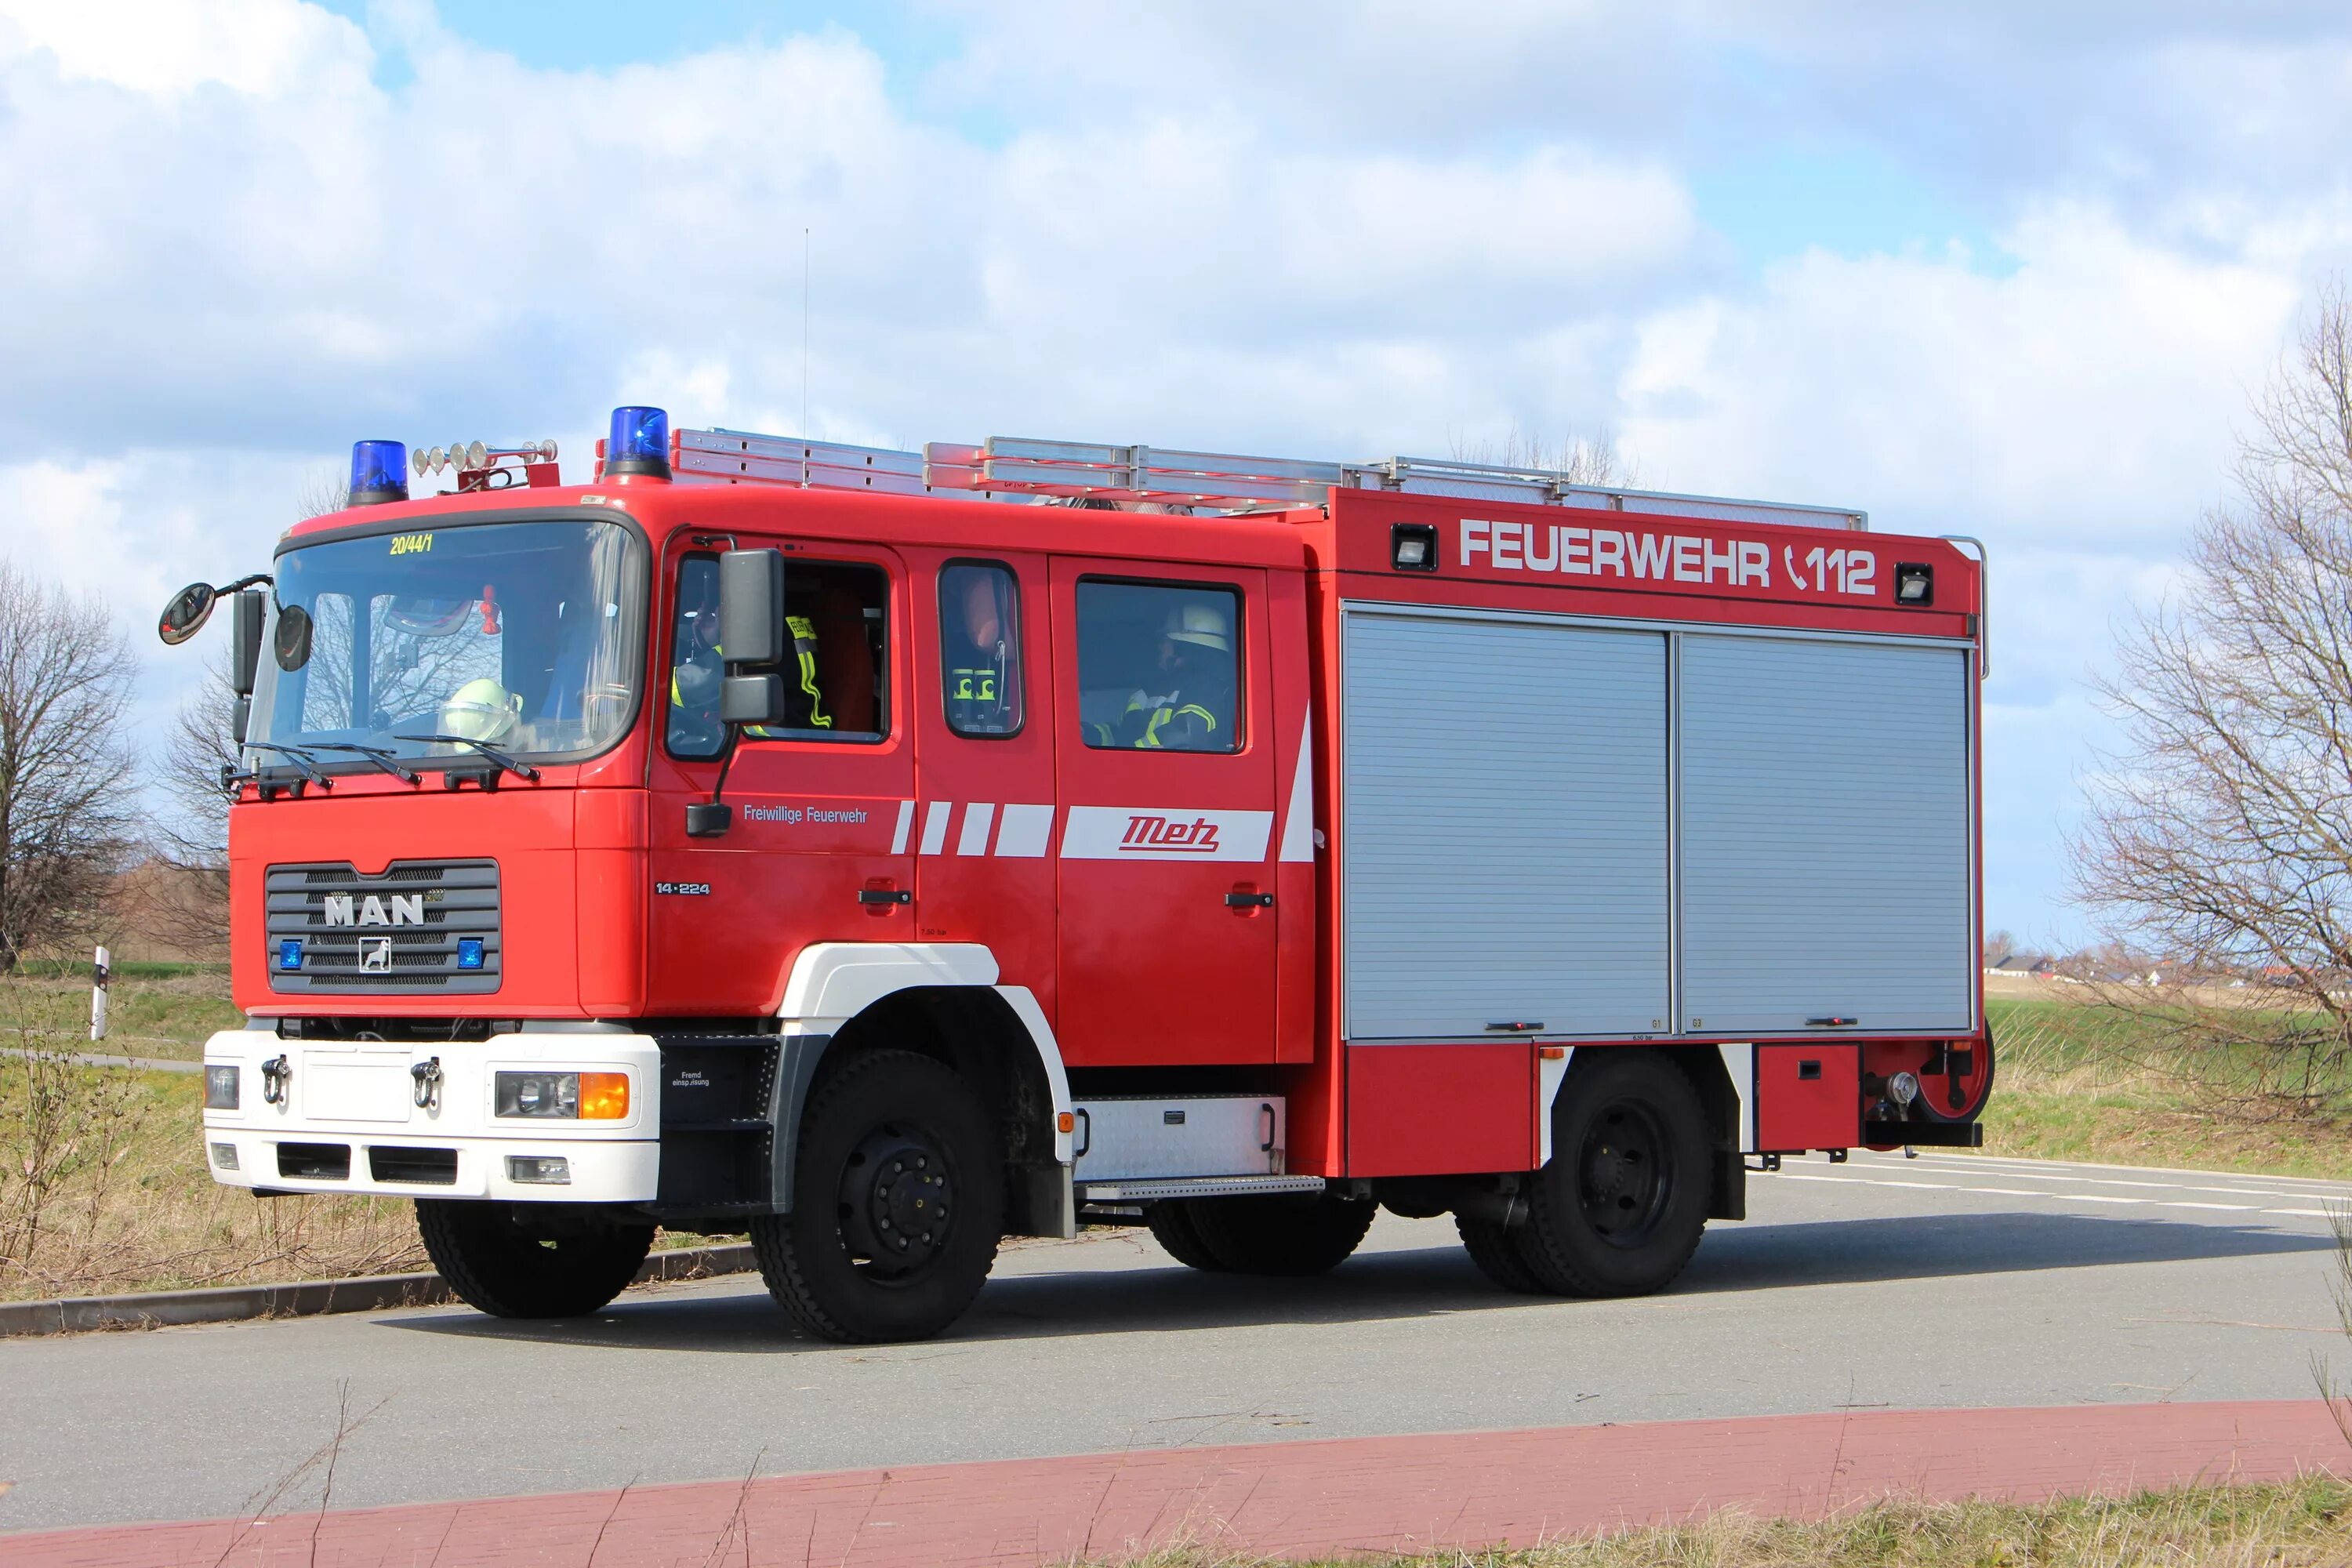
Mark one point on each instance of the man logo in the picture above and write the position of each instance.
(400, 910)
(375, 956)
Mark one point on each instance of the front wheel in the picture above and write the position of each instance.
(1619, 1208)
(897, 1203)
(498, 1267)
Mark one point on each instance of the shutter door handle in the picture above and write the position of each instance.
(1249, 900)
(885, 896)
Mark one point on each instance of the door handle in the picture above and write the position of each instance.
(885, 896)
(1249, 900)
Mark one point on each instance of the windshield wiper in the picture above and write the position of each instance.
(376, 754)
(300, 757)
(523, 770)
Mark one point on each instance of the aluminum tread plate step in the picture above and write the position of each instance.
(1151, 1191)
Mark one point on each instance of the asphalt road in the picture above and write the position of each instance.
(1949, 1280)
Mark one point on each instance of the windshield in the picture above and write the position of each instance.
(522, 635)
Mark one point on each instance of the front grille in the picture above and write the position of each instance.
(400, 932)
(433, 1167)
(315, 1161)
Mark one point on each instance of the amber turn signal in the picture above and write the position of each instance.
(603, 1096)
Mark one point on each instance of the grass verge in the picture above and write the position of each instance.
(2076, 1082)
(2303, 1524)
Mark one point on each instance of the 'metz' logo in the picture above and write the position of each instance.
(402, 910)
(1198, 837)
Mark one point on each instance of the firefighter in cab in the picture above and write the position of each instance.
(982, 695)
(1194, 712)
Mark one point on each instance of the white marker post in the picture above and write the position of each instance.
(98, 975)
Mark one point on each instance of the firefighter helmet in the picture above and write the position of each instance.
(481, 709)
(1200, 623)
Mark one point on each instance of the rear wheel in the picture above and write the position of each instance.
(1491, 1248)
(498, 1267)
(1280, 1233)
(897, 1203)
(1171, 1227)
(1619, 1208)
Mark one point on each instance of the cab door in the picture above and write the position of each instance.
(1164, 766)
(818, 849)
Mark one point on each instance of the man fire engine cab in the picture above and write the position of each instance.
(774, 836)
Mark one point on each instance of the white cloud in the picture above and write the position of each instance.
(1341, 231)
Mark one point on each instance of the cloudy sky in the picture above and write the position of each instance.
(1990, 267)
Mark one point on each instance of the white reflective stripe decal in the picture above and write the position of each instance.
(935, 826)
(1026, 832)
(977, 820)
(1298, 817)
(906, 826)
(1165, 833)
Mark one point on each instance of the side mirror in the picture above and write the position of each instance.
(752, 636)
(240, 719)
(185, 615)
(246, 658)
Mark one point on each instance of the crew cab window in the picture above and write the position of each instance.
(1158, 667)
(837, 671)
(979, 648)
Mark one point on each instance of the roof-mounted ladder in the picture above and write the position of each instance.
(1010, 468)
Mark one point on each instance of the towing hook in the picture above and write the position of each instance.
(428, 1077)
(276, 1074)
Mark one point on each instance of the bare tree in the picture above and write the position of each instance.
(1998, 946)
(1584, 460)
(66, 770)
(2219, 839)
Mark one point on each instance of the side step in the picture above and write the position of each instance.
(1151, 1191)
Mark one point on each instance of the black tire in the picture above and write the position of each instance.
(1283, 1234)
(1491, 1247)
(497, 1266)
(1171, 1227)
(1619, 1207)
(887, 1145)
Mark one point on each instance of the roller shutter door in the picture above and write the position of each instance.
(1503, 828)
(1824, 836)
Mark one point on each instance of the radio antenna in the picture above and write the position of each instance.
(804, 329)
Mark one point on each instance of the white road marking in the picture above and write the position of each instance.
(2188, 1204)
(2096, 1198)
(1857, 1180)
(2015, 1175)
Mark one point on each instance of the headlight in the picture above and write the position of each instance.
(220, 1088)
(566, 1096)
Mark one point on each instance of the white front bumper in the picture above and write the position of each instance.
(361, 1096)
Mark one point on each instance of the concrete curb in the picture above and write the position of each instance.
(235, 1303)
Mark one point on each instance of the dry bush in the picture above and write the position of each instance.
(104, 1188)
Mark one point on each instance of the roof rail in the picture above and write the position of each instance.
(1015, 468)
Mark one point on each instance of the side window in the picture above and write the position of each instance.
(836, 670)
(695, 666)
(979, 648)
(1158, 667)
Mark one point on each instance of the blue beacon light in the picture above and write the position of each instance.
(469, 952)
(639, 442)
(379, 473)
(289, 954)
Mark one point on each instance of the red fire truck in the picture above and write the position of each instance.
(883, 853)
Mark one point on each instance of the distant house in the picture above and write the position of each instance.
(2037, 965)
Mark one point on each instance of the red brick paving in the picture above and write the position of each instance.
(1357, 1494)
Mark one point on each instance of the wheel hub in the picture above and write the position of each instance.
(898, 1200)
(1623, 1176)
